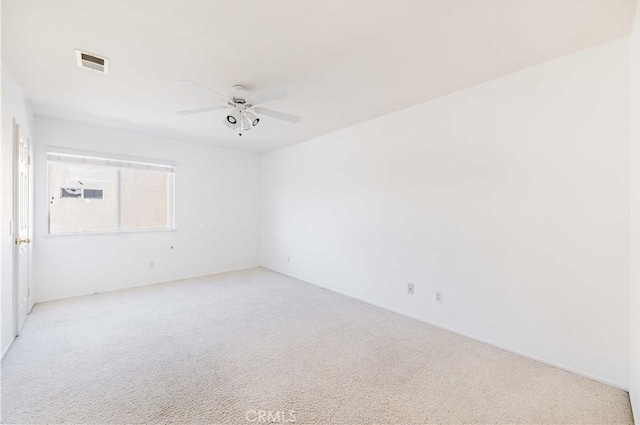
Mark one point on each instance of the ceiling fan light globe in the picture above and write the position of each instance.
(244, 121)
(232, 119)
(252, 117)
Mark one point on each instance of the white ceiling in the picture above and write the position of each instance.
(340, 62)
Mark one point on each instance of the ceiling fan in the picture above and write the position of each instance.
(245, 112)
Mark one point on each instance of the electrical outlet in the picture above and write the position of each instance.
(439, 298)
(410, 288)
(152, 264)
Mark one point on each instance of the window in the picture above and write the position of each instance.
(95, 193)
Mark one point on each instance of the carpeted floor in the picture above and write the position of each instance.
(251, 346)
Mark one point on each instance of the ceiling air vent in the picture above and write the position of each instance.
(92, 62)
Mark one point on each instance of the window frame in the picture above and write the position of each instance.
(116, 158)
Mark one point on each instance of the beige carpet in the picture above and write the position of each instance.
(223, 348)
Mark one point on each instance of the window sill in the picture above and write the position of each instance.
(113, 232)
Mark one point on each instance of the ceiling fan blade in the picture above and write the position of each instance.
(193, 83)
(266, 96)
(198, 110)
(278, 115)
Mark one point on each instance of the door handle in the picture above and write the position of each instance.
(21, 241)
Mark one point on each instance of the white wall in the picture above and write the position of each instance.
(217, 217)
(634, 385)
(13, 106)
(512, 197)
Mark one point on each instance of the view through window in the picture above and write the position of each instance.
(90, 193)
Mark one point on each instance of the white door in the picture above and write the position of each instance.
(22, 234)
